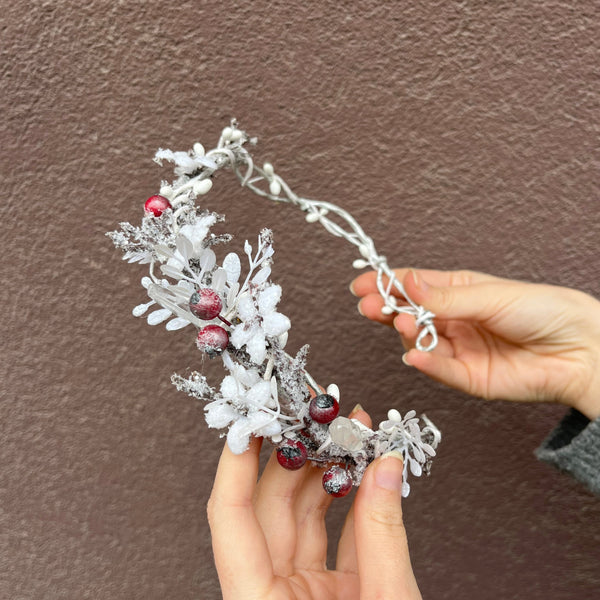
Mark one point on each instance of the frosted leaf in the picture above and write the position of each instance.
(163, 251)
(415, 467)
(238, 438)
(170, 271)
(333, 390)
(268, 298)
(427, 449)
(235, 287)
(261, 276)
(140, 309)
(146, 281)
(345, 433)
(181, 293)
(246, 308)
(186, 285)
(207, 260)
(176, 323)
(158, 316)
(405, 489)
(409, 415)
(283, 338)
(418, 453)
(185, 247)
(219, 415)
(260, 393)
(229, 387)
(275, 324)
(233, 267)
(256, 347)
(219, 279)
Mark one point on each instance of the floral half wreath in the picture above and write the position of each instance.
(266, 393)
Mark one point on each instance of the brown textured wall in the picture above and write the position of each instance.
(462, 135)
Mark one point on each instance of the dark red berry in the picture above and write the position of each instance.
(156, 205)
(212, 339)
(323, 408)
(291, 454)
(206, 304)
(337, 481)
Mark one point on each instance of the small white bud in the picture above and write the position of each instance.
(268, 169)
(198, 149)
(364, 250)
(359, 263)
(313, 217)
(276, 439)
(166, 191)
(387, 310)
(236, 135)
(275, 187)
(394, 415)
(202, 187)
(226, 135)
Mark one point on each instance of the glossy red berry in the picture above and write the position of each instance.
(337, 481)
(212, 339)
(206, 304)
(291, 454)
(156, 205)
(323, 408)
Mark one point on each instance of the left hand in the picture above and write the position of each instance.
(270, 541)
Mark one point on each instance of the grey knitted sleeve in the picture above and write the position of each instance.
(574, 447)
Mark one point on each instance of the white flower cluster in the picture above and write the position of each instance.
(234, 313)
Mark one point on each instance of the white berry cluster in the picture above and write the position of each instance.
(230, 302)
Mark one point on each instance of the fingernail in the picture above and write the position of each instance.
(419, 282)
(360, 310)
(405, 359)
(351, 288)
(388, 474)
(357, 408)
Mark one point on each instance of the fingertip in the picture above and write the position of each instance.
(370, 307)
(364, 284)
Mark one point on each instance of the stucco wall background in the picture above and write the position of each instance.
(460, 134)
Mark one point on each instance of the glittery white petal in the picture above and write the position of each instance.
(219, 415)
(238, 437)
(268, 299)
(229, 387)
(256, 347)
(241, 334)
(275, 324)
(246, 308)
(260, 393)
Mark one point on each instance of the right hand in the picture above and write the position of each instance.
(498, 338)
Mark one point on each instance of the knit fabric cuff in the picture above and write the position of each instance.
(574, 447)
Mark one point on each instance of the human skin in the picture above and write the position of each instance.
(499, 338)
(270, 541)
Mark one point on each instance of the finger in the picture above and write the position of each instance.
(382, 548)
(445, 369)
(346, 553)
(274, 502)
(240, 550)
(473, 301)
(370, 306)
(311, 509)
(367, 282)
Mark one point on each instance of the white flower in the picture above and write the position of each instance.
(259, 321)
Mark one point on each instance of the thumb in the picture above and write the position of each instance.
(476, 301)
(382, 550)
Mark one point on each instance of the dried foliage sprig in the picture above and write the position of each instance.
(233, 309)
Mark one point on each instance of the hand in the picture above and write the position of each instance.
(501, 339)
(270, 541)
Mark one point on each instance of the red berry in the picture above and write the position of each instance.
(212, 339)
(323, 408)
(206, 304)
(156, 205)
(291, 454)
(337, 481)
